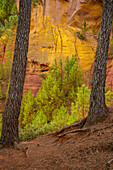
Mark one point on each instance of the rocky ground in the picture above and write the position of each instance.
(89, 150)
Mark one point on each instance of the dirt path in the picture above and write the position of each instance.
(86, 151)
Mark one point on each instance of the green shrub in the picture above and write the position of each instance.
(7, 8)
(8, 26)
(59, 88)
(39, 125)
(109, 98)
(81, 106)
(82, 34)
(48, 111)
(27, 110)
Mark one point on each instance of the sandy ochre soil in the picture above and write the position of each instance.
(89, 150)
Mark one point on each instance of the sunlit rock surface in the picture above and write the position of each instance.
(49, 41)
(50, 38)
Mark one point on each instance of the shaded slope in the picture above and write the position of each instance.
(86, 151)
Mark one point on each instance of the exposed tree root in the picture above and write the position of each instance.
(77, 129)
(96, 130)
(75, 125)
(74, 131)
(78, 125)
(25, 150)
(108, 164)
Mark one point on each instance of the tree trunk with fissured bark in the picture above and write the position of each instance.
(13, 104)
(98, 109)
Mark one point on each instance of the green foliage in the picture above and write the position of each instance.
(61, 118)
(40, 119)
(111, 42)
(84, 27)
(82, 34)
(109, 98)
(8, 26)
(59, 88)
(39, 125)
(48, 111)
(7, 8)
(27, 109)
(81, 106)
(5, 68)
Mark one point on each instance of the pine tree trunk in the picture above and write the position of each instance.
(98, 109)
(13, 104)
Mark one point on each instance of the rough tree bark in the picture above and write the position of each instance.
(12, 108)
(98, 109)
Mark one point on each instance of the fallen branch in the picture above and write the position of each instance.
(108, 164)
(74, 131)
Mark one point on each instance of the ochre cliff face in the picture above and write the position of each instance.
(52, 38)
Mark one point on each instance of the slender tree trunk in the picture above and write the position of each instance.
(98, 109)
(13, 104)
